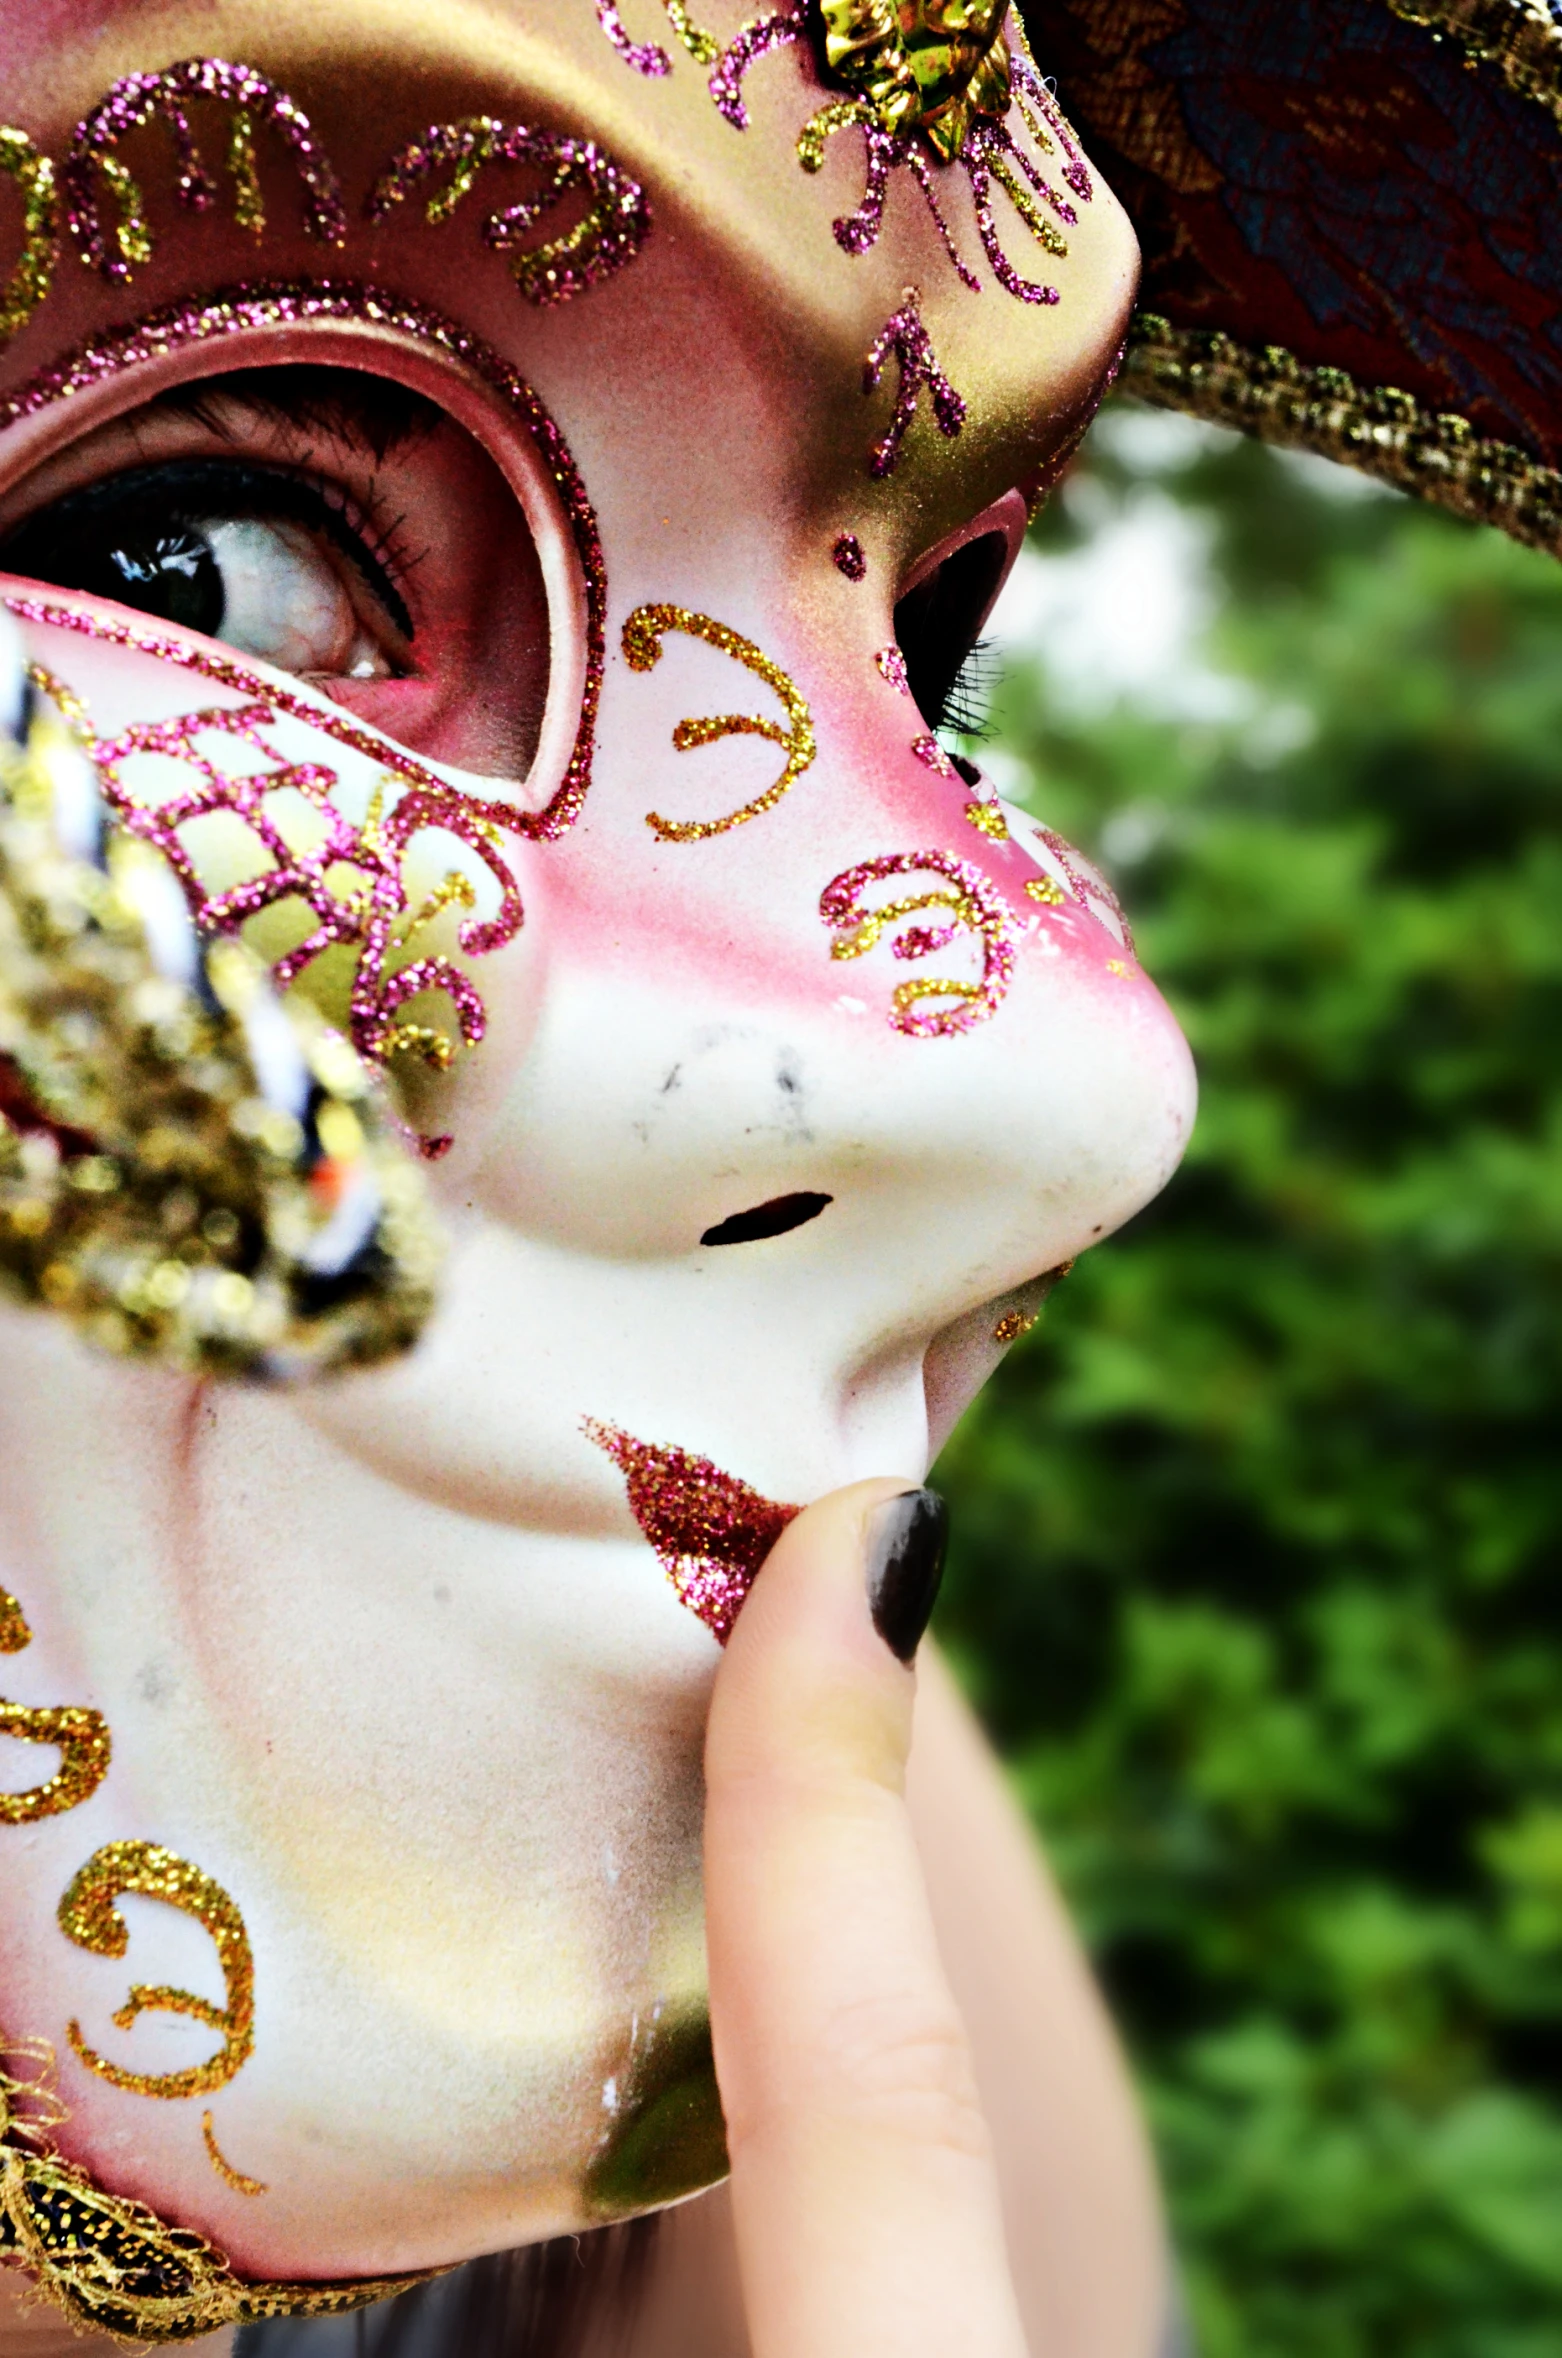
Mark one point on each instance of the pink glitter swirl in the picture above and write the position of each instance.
(972, 904)
(886, 152)
(645, 56)
(138, 98)
(905, 340)
(233, 310)
(615, 225)
(755, 41)
(1026, 78)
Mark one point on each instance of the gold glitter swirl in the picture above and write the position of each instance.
(703, 47)
(112, 2265)
(15, 1636)
(644, 631)
(223, 2167)
(89, 1917)
(842, 114)
(33, 274)
(84, 1746)
(1269, 393)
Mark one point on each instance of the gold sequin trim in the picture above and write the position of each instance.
(33, 273)
(1521, 38)
(89, 1917)
(111, 2264)
(644, 631)
(84, 1746)
(1269, 393)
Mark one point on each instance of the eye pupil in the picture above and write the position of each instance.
(176, 577)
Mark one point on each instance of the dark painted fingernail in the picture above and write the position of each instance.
(907, 1540)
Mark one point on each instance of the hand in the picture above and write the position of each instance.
(864, 2188)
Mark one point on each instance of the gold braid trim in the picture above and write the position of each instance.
(1269, 393)
(112, 2265)
(1521, 38)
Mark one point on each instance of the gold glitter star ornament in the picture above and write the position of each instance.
(923, 65)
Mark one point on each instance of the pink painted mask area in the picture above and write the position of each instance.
(711, 1532)
(497, 500)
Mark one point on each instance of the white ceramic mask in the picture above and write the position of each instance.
(763, 1063)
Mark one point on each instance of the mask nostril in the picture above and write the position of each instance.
(769, 1219)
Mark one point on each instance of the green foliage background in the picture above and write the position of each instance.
(1258, 1535)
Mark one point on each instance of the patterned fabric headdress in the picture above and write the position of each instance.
(1351, 215)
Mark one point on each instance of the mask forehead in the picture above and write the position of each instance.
(770, 219)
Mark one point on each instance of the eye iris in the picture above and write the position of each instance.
(254, 556)
(174, 576)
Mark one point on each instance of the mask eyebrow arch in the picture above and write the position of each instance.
(343, 405)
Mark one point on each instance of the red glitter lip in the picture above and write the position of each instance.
(710, 1531)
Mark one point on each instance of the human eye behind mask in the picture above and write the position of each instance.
(329, 523)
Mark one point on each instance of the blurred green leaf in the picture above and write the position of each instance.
(1258, 1550)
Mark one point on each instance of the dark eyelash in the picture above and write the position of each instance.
(965, 708)
(346, 405)
(187, 492)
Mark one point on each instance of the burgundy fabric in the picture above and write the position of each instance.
(1322, 175)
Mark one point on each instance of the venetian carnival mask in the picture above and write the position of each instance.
(495, 500)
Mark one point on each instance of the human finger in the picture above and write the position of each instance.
(864, 2191)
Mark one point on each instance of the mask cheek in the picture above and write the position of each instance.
(388, 891)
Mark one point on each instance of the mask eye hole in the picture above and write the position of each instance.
(327, 521)
(937, 621)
